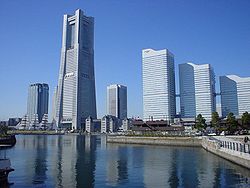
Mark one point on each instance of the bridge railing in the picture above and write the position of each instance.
(236, 146)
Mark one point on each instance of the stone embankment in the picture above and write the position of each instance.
(168, 141)
(228, 148)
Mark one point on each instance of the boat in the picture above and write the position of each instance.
(7, 141)
(5, 169)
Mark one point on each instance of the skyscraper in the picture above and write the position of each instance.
(54, 97)
(38, 100)
(158, 78)
(117, 101)
(235, 95)
(76, 99)
(197, 90)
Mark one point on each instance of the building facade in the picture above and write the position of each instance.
(158, 78)
(76, 98)
(197, 90)
(89, 126)
(38, 100)
(117, 101)
(235, 95)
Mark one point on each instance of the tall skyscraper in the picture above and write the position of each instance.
(54, 97)
(38, 100)
(235, 95)
(117, 101)
(76, 99)
(158, 78)
(197, 90)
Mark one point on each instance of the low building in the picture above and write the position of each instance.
(126, 124)
(89, 125)
(13, 121)
(109, 124)
(162, 126)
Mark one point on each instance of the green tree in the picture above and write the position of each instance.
(232, 123)
(245, 120)
(215, 120)
(200, 122)
(3, 130)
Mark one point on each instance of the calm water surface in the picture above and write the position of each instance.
(88, 161)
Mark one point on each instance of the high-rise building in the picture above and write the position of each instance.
(54, 104)
(38, 100)
(197, 90)
(235, 95)
(76, 98)
(117, 101)
(158, 78)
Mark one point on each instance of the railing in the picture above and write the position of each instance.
(236, 146)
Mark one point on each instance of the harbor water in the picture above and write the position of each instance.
(88, 161)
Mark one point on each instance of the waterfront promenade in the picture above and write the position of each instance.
(229, 148)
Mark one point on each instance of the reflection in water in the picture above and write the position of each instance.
(117, 161)
(112, 165)
(85, 165)
(122, 164)
(88, 161)
(40, 162)
(156, 167)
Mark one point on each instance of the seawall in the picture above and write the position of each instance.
(210, 144)
(214, 146)
(168, 141)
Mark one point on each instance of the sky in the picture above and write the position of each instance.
(198, 31)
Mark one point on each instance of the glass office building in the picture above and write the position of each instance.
(235, 95)
(197, 90)
(38, 100)
(158, 78)
(117, 101)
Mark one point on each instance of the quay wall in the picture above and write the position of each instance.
(213, 146)
(208, 143)
(168, 141)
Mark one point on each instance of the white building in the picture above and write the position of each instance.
(235, 95)
(197, 90)
(109, 124)
(158, 78)
(89, 125)
(76, 99)
(117, 101)
(126, 124)
(105, 124)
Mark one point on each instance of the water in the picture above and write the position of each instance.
(84, 161)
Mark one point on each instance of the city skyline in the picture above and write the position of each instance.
(45, 37)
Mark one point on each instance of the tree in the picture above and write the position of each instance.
(3, 130)
(200, 122)
(215, 120)
(232, 123)
(245, 120)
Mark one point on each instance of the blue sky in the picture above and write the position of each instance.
(200, 31)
